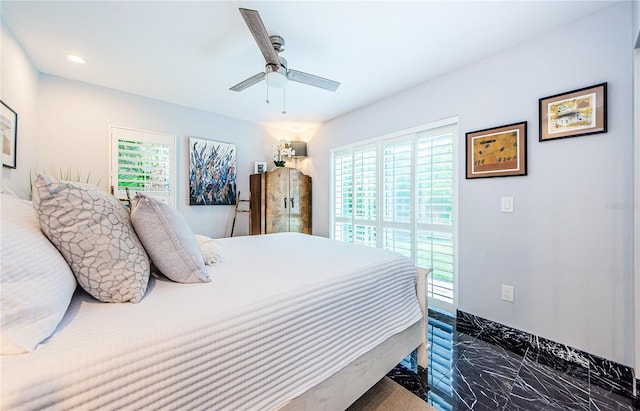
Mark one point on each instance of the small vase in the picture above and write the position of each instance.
(279, 163)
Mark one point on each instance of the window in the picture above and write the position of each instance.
(398, 193)
(143, 161)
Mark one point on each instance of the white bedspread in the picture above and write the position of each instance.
(282, 313)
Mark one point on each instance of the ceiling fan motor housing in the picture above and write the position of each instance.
(278, 43)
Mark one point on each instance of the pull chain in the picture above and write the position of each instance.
(284, 101)
(267, 82)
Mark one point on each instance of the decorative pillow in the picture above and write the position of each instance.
(168, 239)
(37, 284)
(210, 249)
(92, 231)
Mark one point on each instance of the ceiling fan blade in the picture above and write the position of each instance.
(254, 22)
(310, 79)
(248, 82)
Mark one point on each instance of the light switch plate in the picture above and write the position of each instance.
(506, 204)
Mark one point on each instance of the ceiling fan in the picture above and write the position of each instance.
(276, 70)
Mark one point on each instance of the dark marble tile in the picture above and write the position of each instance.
(611, 376)
(411, 381)
(553, 350)
(482, 376)
(576, 363)
(477, 364)
(442, 316)
(562, 363)
(539, 387)
(440, 371)
(604, 400)
(493, 332)
(468, 323)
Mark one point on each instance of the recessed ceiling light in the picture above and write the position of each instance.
(75, 59)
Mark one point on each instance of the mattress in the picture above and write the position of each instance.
(282, 313)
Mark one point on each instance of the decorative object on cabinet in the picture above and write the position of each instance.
(281, 152)
(574, 113)
(280, 201)
(498, 151)
(9, 126)
(259, 167)
(212, 172)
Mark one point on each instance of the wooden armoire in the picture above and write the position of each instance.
(280, 201)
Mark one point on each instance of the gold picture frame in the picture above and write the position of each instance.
(497, 151)
(575, 113)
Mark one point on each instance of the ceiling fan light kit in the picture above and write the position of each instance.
(276, 73)
(276, 76)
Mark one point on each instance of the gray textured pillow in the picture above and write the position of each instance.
(92, 231)
(168, 239)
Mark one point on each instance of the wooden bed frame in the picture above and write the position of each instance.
(346, 386)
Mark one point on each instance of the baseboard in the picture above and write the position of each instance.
(587, 367)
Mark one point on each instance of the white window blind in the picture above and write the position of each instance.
(343, 195)
(435, 203)
(365, 191)
(411, 176)
(143, 161)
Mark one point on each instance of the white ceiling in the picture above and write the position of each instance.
(190, 53)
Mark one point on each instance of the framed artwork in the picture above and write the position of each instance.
(9, 125)
(498, 151)
(260, 167)
(575, 113)
(212, 172)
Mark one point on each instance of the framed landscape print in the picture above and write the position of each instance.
(497, 152)
(212, 172)
(575, 113)
(9, 126)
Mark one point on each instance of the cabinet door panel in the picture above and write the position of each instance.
(300, 193)
(277, 201)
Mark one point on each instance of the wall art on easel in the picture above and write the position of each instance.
(9, 126)
(212, 172)
(498, 151)
(575, 113)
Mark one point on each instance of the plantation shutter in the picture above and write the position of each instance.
(365, 182)
(143, 161)
(397, 197)
(343, 195)
(398, 193)
(434, 214)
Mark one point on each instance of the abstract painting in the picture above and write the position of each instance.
(575, 113)
(212, 172)
(498, 151)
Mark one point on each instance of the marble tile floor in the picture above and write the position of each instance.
(468, 373)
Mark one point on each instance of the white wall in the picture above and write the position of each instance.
(567, 248)
(73, 129)
(19, 90)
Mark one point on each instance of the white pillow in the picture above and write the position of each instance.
(168, 239)
(93, 232)
(37, 284)
(210, 249)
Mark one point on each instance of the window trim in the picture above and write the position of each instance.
(143, 136)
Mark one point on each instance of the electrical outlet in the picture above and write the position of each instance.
(508, 293)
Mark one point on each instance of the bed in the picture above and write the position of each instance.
(287, 321)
